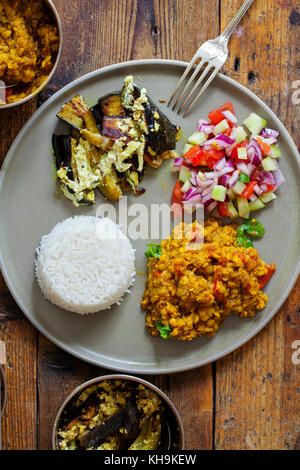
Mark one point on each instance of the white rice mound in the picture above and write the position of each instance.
(85, 264)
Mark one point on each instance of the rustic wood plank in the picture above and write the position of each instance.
(257, 387)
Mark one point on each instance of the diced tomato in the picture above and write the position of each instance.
(265, 148)
(227, 107)
(255, 174)
(249, 190)
(216, 116)
(234, 152)
(196, 155)
(270, 187)
(223, 209)
(264, 279)
(176, 200)
(213, 156)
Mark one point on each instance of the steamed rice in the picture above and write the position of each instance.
(85, 264)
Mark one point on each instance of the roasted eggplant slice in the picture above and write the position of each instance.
(160, 133)
(78, 114)
(149, 437)
(63, 153)
(115, 127)
(93, 437)
(98, 140)
(111, 105)
(110, 187)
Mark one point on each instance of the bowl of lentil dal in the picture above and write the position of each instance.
(30, 48)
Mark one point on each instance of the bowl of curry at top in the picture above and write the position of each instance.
(30, 48)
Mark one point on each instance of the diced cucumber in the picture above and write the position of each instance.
(219, 193)
(242, 153)
(267, 197)
(201, 176)
(239, 187)
(233, 212)
(221, 127)
(187, 185)
(231, 194)
(275, 152)
(255, 123)
(184, 174)
(186, 148)
(198, 138)
(269, 164)
(256, 205)
(238, 134)
(243, 207)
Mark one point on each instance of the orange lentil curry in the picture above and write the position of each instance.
(190, 292)
(29, 45)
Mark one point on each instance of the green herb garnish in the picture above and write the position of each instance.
(154, 251)
(164, 330)
(251, 227)
(244, 178)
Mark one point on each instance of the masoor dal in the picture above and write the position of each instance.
(28, 46)
(193, 291)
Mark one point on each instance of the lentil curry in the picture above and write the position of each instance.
(189, 293)
(29, 45)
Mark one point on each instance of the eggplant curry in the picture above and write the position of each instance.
(110, 144)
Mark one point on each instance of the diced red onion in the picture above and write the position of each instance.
(266, 177)
(263, 188)
(233, 179)
(193, 178)
(231, 117)
(246, 168)
(278, 177)
(191, 192)
(220, 164)
(204, 126)
(257, 190)
(203, 183)
(178, 162)
(221, 140)
(254, 152)
(225, 138)
(253, 197)
(269, 133)
(225, 179)
(195, 198)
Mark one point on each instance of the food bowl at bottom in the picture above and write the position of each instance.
(117, 412)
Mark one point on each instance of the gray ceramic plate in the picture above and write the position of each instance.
(117, 339)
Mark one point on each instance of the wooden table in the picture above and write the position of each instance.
(249, 399)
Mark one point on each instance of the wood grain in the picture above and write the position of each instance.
(257, 387)
(247, 400)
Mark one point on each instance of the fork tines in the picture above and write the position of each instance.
(188, 87)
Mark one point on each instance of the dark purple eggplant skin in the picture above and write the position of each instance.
(130, 423)
(63, 153)
(94, 437)
(98, 115)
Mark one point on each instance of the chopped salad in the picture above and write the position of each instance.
(231, 169)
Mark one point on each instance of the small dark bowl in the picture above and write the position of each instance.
(174, 423)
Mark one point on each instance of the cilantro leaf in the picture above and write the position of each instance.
(154, 251)
(251, 227)
(164, 330)
(244, 178)
(254, 228)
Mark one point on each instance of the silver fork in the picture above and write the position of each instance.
(214, 53)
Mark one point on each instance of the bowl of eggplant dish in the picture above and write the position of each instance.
(117, 412)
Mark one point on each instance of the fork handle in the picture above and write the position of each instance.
(235, 20)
